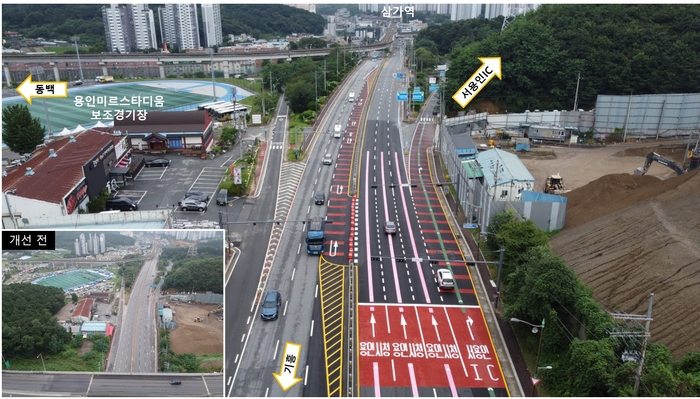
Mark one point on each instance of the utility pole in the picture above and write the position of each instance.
(325, 85)
(316, 78)
(622, 330)
(80, 66)
(498, 279)
(211, 66)
(627, 119)
(576, 97)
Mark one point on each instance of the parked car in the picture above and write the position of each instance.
(157, 162)
(200, 195)
(121, 204)
(320, 198)
(389, 227)
(78, 83)
(328, 159)
(445, 279)
(193, 204)
(271, 305)
(222, 197)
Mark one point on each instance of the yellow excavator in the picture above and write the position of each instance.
(555, 185)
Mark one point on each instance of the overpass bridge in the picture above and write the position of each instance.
(153, 65)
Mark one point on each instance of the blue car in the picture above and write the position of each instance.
(271, 305)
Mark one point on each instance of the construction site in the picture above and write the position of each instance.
(632, 228)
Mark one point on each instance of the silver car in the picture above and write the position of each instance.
(328, 159)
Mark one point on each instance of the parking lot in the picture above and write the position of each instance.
(163, 187)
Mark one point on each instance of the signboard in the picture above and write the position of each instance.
(432, 80)
(433, 88)
(417, 96)
(256, 118)
(399, 76)
(76, 197)
(237, 175)
(402, 96)
(442, 74)
(416, 89)
(470, 226)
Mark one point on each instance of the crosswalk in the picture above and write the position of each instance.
(276, 146)
(427, 119)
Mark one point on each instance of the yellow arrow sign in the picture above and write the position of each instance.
(490, 66)
(29, 89)
(287, 376)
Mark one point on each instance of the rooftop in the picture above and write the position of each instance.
(55, 177)
(510, 168)
(163, 122)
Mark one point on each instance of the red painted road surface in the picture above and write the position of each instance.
(425, 346)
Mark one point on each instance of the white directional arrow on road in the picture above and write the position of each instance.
(403, 323)
(372, 322)
(469, 324)
(334, 245)
(435, 324)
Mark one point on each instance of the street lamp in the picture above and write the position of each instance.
(80, 66)
(211, 66)
(535, 328)
(42, 361)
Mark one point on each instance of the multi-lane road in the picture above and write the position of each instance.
(368, 313)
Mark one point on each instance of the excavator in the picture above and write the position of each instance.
(694, 161)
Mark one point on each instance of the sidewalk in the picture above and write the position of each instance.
(506, 332)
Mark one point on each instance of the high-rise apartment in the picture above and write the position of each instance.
(179, 27)
(129, 27)
(211, 21)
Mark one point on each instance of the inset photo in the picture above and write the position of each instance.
(113, 313)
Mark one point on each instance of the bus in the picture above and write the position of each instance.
(208, 106)
(225, 112)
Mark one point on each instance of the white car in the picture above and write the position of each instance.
(445, 279)
(328, 159)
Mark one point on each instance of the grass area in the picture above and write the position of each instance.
(64, 361)
(208, 358)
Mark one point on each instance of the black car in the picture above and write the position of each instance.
(157, 162)
(175, 382)
(121, 204)
(193, 204)
(78, 83)
(320, 198)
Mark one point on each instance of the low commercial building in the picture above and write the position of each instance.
(163, 132)
(94, 327)
(505, 176)
(83, 311)
(60, 178)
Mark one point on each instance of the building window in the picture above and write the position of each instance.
(175, 142)
(504, 193)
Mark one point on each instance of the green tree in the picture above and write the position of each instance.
(74, 298)
(592, 368)
(20, 131)
(299, 95)
(229, 134)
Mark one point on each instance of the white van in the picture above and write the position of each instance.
(338, 133)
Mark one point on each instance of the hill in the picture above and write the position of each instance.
(627, 236)
(617, 49)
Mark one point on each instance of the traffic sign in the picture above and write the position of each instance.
(402, 96)
(470, 226)
(399, 76)
(418, 96)
(433, 88)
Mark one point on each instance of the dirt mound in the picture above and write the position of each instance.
(190, 336)
(675, 152)
(612, 193)
(628, 236)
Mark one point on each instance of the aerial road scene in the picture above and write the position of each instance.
(123, 307)
(361, 200)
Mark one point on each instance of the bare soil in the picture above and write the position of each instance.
(196, 337)
(628, 236)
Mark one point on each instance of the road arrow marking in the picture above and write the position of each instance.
(334, 245)
(372, 322)
(490, 66)
(435, 324)
(288, 370)
(403, 323)
(29, 89)
(469, 324)
(339, 190)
